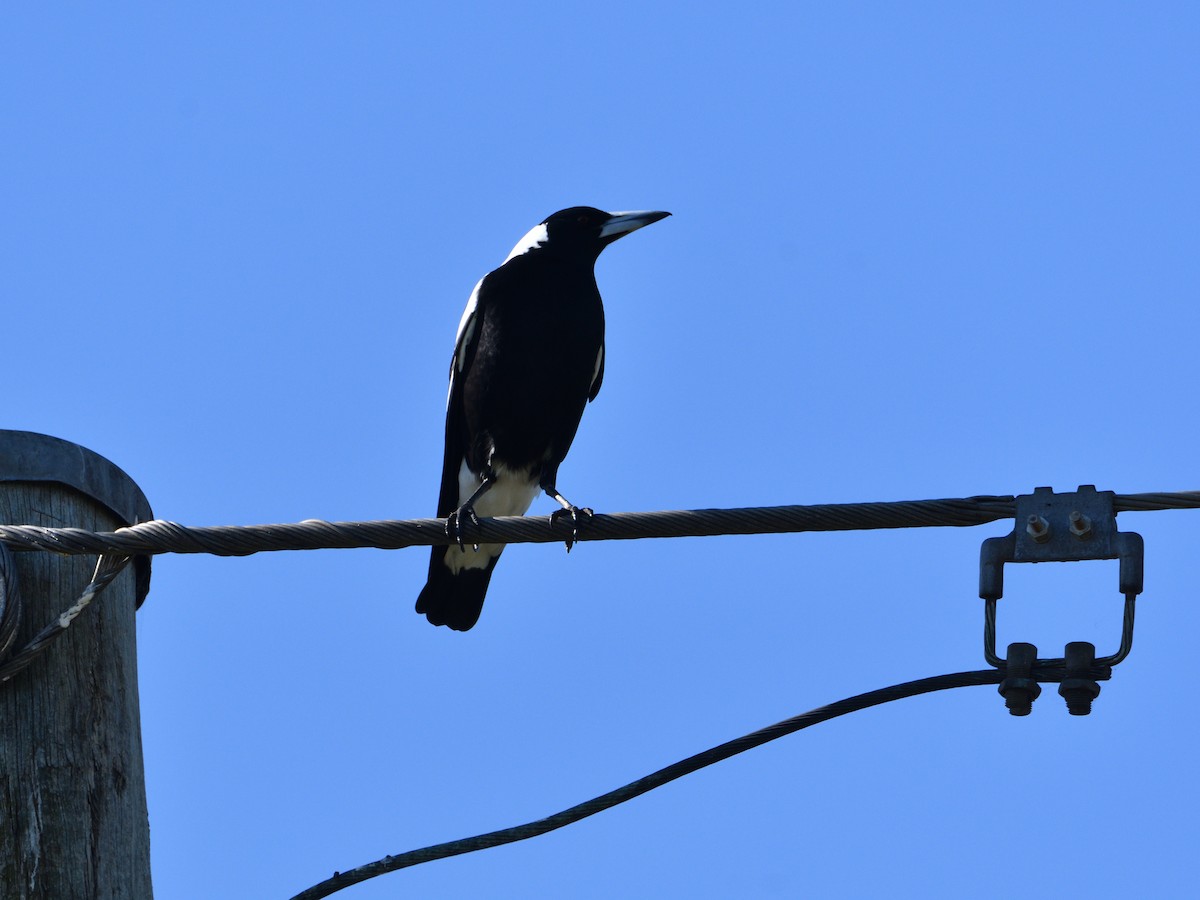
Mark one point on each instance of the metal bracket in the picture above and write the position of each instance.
(1064, 527)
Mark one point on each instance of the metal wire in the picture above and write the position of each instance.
(716, 754)
(107, 568)
(161, 536)
(10, 601)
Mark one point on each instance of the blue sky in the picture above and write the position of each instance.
(920, 250)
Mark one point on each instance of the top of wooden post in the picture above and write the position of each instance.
(28, 456)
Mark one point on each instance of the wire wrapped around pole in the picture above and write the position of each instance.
(107, 568)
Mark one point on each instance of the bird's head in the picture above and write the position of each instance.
(582, 231)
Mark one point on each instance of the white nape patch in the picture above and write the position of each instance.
(536, 236)
(511, 495)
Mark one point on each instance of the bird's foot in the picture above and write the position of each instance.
(454, 524)
(574, 512)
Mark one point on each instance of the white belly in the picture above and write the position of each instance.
(511, 495)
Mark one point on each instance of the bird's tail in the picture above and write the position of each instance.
(454, 598)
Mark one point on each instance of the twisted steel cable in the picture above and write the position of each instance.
(161, 536)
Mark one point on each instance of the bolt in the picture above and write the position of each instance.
(1081, 525)
(1037, 528)
(1018, 699)
(1079, 694)
(1078, 688)
(1019, 688)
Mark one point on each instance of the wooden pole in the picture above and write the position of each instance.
(73, 820)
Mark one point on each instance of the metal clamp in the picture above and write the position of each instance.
(1064, 527)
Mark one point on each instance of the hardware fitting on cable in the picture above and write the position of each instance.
(1065, 527)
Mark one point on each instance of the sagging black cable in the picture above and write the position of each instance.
(708, 757)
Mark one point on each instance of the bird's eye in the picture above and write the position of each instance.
(583, 220)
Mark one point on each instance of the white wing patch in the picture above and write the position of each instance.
(536, 236)
(468, 313)
(466, 333)
(596, 370)
(511, 495)
(533, 239)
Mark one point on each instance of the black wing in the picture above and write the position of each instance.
(464, 352)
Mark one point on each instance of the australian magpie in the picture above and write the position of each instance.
(528, 358)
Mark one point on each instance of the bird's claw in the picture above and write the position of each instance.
(574, 512)
(454, 525)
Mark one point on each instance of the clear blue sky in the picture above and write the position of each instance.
(919, 250)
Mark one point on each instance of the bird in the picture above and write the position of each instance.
(528, 358)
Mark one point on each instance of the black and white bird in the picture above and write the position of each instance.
(528, 358)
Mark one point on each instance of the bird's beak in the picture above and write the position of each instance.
(620, 224)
